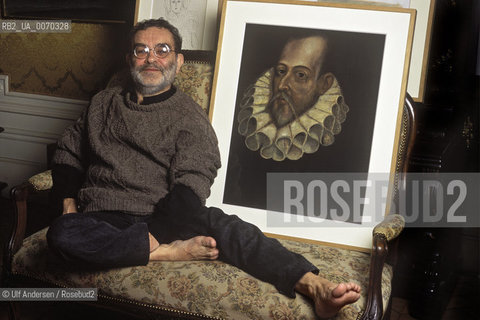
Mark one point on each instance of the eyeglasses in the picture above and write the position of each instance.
(160, 50)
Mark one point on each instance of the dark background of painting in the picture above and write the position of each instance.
(356, 60)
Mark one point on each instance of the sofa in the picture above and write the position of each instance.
(208, 289)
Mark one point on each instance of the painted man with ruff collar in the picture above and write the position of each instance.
(294, 107)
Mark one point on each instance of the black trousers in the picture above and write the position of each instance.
(102, 240)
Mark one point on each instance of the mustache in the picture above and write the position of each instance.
(282, 95)
(151, 66)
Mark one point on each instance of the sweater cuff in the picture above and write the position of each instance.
(67, 181)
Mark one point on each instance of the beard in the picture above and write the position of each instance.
(284, 110)
(148, 88)
(281, 109)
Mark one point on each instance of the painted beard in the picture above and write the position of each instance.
(283, 110)
(147, 89)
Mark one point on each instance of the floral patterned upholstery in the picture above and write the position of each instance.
(42, 181)
(390, 227)
(195, 79)
(207, 288)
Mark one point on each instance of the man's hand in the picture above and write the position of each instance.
(69, 206)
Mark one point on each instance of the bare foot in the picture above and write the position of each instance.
(197, 248)
(153, 242)
(328, 297)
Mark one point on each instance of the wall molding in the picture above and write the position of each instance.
(29, 135)
(22, 162)
(31, 123)
(38, 105)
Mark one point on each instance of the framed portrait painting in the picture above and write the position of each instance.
(302, 89)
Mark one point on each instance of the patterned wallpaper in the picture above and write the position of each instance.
(70, 65)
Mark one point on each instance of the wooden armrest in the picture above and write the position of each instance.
(385, 231)
(19, 195)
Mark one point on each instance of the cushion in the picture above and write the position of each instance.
(206, 288)
(390, 227)
(195, 79)
(42, 181)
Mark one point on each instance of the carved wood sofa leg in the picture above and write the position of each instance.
(374, 305)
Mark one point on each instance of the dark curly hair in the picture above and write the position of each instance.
(157, 23)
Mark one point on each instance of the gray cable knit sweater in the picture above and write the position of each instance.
(132, 155)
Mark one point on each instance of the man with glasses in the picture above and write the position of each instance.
(134, 172)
